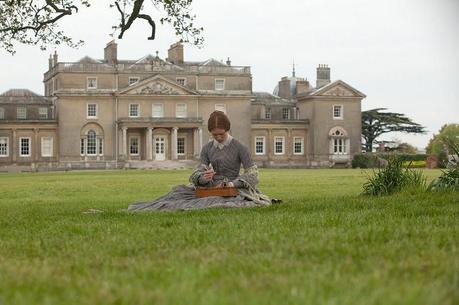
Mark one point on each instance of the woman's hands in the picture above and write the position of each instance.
(208, 175)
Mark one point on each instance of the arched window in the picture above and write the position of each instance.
(339, 141)
(338, 133)
(91, 142)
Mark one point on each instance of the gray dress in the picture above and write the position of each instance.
(226, 160)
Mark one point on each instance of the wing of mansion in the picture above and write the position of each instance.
(113, 113)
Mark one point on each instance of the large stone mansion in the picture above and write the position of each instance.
(112, 113)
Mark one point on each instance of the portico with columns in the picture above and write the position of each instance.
(159, 142)
(158, 120)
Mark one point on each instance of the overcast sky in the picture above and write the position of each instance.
(403, 54)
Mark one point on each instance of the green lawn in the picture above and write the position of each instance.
(325, 244)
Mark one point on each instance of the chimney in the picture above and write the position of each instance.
(284, 88)
(110, 52)
(302, 85)
(323, 76)
(50, 62)
(55, 58)
(228, 62)
(175, 53)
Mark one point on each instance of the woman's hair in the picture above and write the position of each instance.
(218, 119)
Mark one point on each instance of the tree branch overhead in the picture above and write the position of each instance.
(36, 22)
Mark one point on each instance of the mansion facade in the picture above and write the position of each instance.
(112, 113)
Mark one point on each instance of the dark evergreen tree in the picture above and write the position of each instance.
(376, 122)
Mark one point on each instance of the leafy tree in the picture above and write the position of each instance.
(448, 133)
(443, 143)
(36, 22)
(375, 122)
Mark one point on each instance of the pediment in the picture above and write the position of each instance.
(157, 85)
(338, 89)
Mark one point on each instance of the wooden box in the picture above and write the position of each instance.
(216, 191)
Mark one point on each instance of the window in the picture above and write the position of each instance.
(181, 81)
(259, 145)
(285, 113)
(43, 113)
(298, 146)
(158, 110)
(339, 146)
(279, 145)
(4, 147)
(219, 84)
(268, 113)
(82, 146)
(22, 113)
(2, 114)
(337, 111)
(133, 110)
(180, 110)
(47, 147)
(91, 111)
(134, 146)
(180, 146)
(91, 82)
(100, 142)
(220, 107)
(24, 146)
(133, 80)
(91, 143)
(339, 141)
(338, 133)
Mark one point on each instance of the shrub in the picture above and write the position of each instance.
(377, 160)
(404, 157)
(366, 161)
(393, 178)
(442, 159)
(449, 179)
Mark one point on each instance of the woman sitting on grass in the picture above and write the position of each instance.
(220, 164)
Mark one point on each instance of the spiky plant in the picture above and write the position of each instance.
(394, 178)
(449, 179)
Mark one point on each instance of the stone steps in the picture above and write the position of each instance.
(167, 164)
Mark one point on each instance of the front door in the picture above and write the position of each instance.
(160, 148)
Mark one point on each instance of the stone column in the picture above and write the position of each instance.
(174, 143)
(289, 143)
(124, 149)
(199, 139)
(14, 145)
(37, 145)
(149, 144)
(269, 144)
(196, 152)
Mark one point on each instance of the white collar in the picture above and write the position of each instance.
(225, 143)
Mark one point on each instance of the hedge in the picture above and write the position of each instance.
(373, 160)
